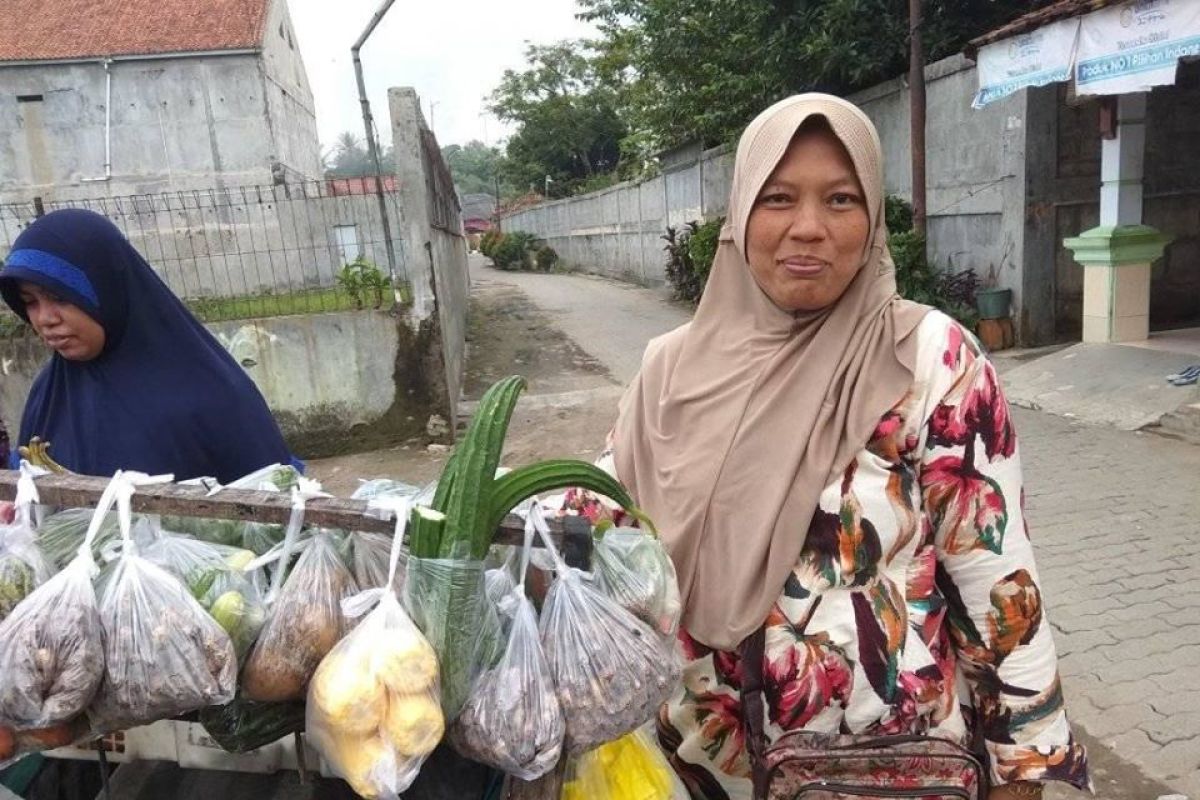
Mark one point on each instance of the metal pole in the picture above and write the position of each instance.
(372, 147)
(916, 93)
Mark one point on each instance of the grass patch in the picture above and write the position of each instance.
(317, 301)
(254, 306)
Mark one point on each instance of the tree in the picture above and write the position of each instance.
(701, 69)
(567, 125)
(474, 166)
(349, 158)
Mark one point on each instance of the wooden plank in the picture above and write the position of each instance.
(79, 491)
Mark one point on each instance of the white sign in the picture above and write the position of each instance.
(1036, 58)
(1133, 46)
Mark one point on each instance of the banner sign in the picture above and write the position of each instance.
(1042, 56)
(1134, 46)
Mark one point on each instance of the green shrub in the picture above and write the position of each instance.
(952, 292)
(363, 281)
(546, 258)
(513, 251)
(489, 240)
(897, 213)
(690, 254)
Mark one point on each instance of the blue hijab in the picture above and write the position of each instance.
(163, 396)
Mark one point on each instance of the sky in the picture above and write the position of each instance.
(453, 52)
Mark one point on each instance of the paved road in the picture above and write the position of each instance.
(1115, 518)
(612, 321)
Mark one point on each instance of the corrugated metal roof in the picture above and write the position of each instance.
(45, 30)
(1037, 19)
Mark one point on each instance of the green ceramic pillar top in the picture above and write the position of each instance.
(1118, 245)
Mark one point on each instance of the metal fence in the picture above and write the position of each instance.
(252, 251)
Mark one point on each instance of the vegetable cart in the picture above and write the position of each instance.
(184, 742)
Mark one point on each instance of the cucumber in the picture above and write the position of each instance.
(425, 531)
(478, 456)
(547, 476)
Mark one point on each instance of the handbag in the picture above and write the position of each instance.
(805, 765)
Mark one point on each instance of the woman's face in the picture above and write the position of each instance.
(66, 328)
(807, 233)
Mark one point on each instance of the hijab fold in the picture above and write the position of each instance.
(163, 396)
(739, 419)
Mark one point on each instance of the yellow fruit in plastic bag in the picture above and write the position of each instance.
(413, 724)
(348, 695)
(362, 760)
(406, 664)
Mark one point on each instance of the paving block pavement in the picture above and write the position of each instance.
(1115, 521)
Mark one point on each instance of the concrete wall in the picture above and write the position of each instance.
(618, 231)
(434, 255)
(177, 123)
(290, 109)
(335, 382)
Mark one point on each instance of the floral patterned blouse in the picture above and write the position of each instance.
(915, 605)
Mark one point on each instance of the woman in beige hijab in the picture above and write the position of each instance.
(838, 465)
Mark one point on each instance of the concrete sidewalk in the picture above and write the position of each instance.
(1123, 386)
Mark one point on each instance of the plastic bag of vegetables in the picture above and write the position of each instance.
(214, 575)
(630, 768)
(512, 719)
(304, 614)
(256, 536)
(632, 567)
(163, 654)
(23, 567)
(611, 670)
(61, 533)
(373, 705)
(51, 647)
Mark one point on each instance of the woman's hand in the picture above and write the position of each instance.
(1014, 791)
(8, 512)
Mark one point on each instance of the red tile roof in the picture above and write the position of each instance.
(36, 30)
(1037, 19)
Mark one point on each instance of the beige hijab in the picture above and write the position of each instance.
(739, 419)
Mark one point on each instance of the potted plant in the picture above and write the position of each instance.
(991, 301)
(995, 327)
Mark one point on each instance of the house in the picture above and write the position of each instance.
(478, 213)
(147, 96)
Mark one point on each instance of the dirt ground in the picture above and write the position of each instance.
(567, 411)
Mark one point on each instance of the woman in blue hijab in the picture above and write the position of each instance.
(135, 382)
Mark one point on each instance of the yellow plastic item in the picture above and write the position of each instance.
(631, 768)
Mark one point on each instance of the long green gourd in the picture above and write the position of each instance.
(468, 505)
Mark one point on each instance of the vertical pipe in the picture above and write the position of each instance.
(372, 147)
(107, 118)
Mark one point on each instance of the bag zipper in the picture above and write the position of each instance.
(840, 753)
(859, 791)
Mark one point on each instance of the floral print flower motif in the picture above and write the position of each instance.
(1016, 613)
(804, 675)
(980, 411)
(919, 695)
(964, 503)
(881, 623)
(1065, 763)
